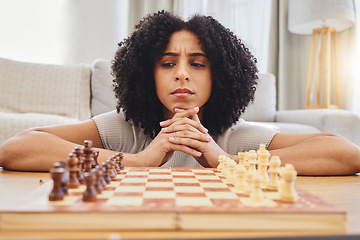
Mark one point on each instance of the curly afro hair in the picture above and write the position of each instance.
(233, 70)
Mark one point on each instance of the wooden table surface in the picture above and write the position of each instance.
(343, 191)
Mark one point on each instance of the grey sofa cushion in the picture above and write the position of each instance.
(102, 94)
(62, 90)
(288, 127)
(263, 109)
(13, 123)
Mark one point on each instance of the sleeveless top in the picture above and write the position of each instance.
(120, 135)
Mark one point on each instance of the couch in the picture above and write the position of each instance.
(33, 94)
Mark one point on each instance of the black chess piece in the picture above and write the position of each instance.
(57, 193)
(90, 193)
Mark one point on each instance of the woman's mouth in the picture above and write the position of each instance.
(182, 92)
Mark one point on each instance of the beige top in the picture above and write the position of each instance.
(119, 135)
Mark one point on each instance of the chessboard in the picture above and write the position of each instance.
(175, 199)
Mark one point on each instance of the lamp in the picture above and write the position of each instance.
(323, 19)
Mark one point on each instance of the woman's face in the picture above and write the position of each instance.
(182, 74)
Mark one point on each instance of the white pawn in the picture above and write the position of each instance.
(241, 158)
(252, 160)
(246, 160)
(221, 163)
(256, 193)
(282, 182)
(248, 180)
(274, 168)
(288, 192)
(230, 178)
(227, 162)
(240, 178)
(263, 161)
(224, 167)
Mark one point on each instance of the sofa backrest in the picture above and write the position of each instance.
(263, 108)
(45, 88)
(102, 94)
(103, 100)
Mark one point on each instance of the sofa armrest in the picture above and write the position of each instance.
(341, 122)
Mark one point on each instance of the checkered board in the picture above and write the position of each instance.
(170, 199)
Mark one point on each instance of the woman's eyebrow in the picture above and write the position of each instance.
(169, 54)
(197, 54)
(173, 54)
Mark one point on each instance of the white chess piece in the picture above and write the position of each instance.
(224, 167)
(230, 178)
(241, 158)
(221, 163)
(252, 160)
(288, 192)
(256, 194)
(248, 179)
(240, 178)
(263, 163)
(246, 160)
(274, 168)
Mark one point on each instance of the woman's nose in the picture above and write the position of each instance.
(185, 78)
(182, 72)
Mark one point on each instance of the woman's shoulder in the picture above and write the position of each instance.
(110, 116)
(116, 133)
(245, 136)
(243, 125)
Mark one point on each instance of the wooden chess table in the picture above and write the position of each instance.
(343, 192)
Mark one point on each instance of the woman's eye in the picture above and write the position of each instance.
(197, 65)
(167, 64)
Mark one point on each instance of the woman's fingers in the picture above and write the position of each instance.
(184, 124)
(194, 116)
(187, 131)
(180, 114)
(186, 149)
(188, 134)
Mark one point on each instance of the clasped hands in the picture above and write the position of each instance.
(183, 132)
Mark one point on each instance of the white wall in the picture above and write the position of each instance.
(31, 30)
(61, 31)
(93, 28)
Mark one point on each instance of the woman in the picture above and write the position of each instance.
(181, 88)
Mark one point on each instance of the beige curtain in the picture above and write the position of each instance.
(138, 9)
(356, 62)
(292, 64)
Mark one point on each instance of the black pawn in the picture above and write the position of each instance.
(65, 177)
(90, 193)
(101, 172)
(108, 169)
(98, 182)
(95, 157)
(112, 172)
(120, 157)
(57, 193)
(78, 153)
(88, 156)
(73, 171)
(117, 163)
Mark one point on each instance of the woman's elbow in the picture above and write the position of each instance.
(349, 153)
(10, 149)
(6, 151)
